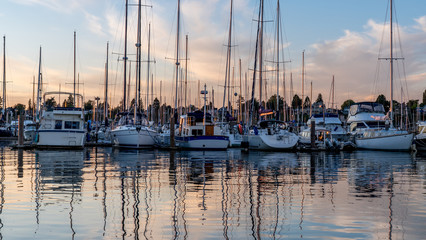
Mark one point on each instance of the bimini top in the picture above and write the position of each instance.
(366, 107)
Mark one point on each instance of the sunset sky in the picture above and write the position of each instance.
(340, 38)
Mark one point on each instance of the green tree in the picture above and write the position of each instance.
(19, 108)
(272, 102)
(319, 98)
(50, 103)
(307, 103)
(69, 102)
(382, 100)
(424, 98)
(88, 105)
(297, 102)
(347, 103)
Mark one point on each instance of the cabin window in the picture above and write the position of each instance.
(58, 124)
(72, 125)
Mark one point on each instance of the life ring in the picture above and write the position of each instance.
(240, 129)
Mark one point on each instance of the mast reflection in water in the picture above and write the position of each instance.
(105, 193)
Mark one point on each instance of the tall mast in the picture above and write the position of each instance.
(284, 100)
(255, 64)
(139, 58)
(74, 100)
(138, 65)
(332, 96)
(4, 74)
(303, 79)
(186, 71)
(391, 63)
(278, 60)
(228, 65)
(147, 74)
(106, 88)
(32, 101)
(125, 59)
(39, 85)
(291, 96)
(310, 107)
(240, 116)
(177, 54)
(261, 54)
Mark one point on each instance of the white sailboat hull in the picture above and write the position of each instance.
(397, 142)
(132, 137)
(272, 142)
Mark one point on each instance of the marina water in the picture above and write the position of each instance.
(106, 193)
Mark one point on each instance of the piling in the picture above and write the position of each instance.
(21, 130)
(172, 133)
(313, 134)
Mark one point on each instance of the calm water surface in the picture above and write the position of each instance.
(110, 193)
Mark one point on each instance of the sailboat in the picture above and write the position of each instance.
(371, 127)
(131, 127)
(60, 127)
(229, 129)
(268, 134)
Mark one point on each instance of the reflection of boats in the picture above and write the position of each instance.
(373, 130)
(271, 135)
(420, 138)
(61, 126)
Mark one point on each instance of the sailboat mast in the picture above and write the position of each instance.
(284, 99)
(177, 55)
(148, 65)
(240, 115)
(32, 102)
(4, 74)
(186, 72)
(303, 79)
(228, 64)
(39, 84)
(74, 101)
(106, 88)
(278, 60)
(332, 96)
(391, 63)
(125, 59)
(291, 96)
(261, 54)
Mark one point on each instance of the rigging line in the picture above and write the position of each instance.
(402, 54)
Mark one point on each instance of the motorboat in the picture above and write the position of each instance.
(61, 127)
(420, 138)
(372, 129)
(197, 131)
